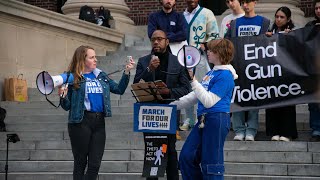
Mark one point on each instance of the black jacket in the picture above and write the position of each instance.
(177, 81)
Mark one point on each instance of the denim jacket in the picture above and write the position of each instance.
(74, 101)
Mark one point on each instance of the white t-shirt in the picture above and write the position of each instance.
(188, 15)
(225, 24)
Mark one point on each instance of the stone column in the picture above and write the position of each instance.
(268, 8)
(119, 11)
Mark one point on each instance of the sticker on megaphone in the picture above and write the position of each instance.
(46, 83)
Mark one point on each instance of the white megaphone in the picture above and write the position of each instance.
(46, 83)
(190, 55)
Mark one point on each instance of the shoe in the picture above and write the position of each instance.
(178, 137)
(285, 139)
(314, 139)
(275, 138)
(186, 125)
(238, 137)
(249, 137)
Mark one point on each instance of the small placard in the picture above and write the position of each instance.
(156, 155)
(155, 118)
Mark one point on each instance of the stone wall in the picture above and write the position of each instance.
(34, 39)
(46, 4)
(306, 7)
(140, 9)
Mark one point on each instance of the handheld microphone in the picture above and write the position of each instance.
(153, 72)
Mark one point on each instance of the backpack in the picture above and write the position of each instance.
(3, 114)
(87, 14)
(103, 16)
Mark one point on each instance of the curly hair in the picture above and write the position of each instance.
(224, 48)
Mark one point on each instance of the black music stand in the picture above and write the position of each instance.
(148, 92)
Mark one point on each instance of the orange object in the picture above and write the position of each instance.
(164, 148)
(178, 137)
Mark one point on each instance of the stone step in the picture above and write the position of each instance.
(117, 112)
(63, 126)
(137, 176)
(44, 118)
(120, 58)
(44, 104)
(123, 134)
(68, 176)
(137, 166)
(138, 155)
(136, 143)
(54, 96)
(59, 111)
(63, 135)
(112, 124)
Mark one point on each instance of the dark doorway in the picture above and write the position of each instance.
(216, 6)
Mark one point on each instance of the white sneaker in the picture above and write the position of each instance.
(186, 125)
(249, 137)
(238, 137)
(282, 138)
(275, 138)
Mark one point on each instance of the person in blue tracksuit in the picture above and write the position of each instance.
(201, 156)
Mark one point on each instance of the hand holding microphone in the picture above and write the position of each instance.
(129, 65)
(154, 63)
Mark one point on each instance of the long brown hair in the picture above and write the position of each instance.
(77, 64)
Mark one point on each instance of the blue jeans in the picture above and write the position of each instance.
(314, 118)
(87, 143)
(239, 120)
(201, 156)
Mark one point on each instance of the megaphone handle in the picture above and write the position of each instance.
(194, 71)
(187, 72)
(185, 62)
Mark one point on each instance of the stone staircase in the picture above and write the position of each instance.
(44, 152)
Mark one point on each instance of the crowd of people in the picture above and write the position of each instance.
(88, 98)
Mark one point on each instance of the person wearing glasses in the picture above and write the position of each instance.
(88, 103)
(160, 64)
(237, 11)
(245, 124)
(173, 24)
(202, 155)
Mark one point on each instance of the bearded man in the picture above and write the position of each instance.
(169, 21)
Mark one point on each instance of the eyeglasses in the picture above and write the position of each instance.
(154, 39)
